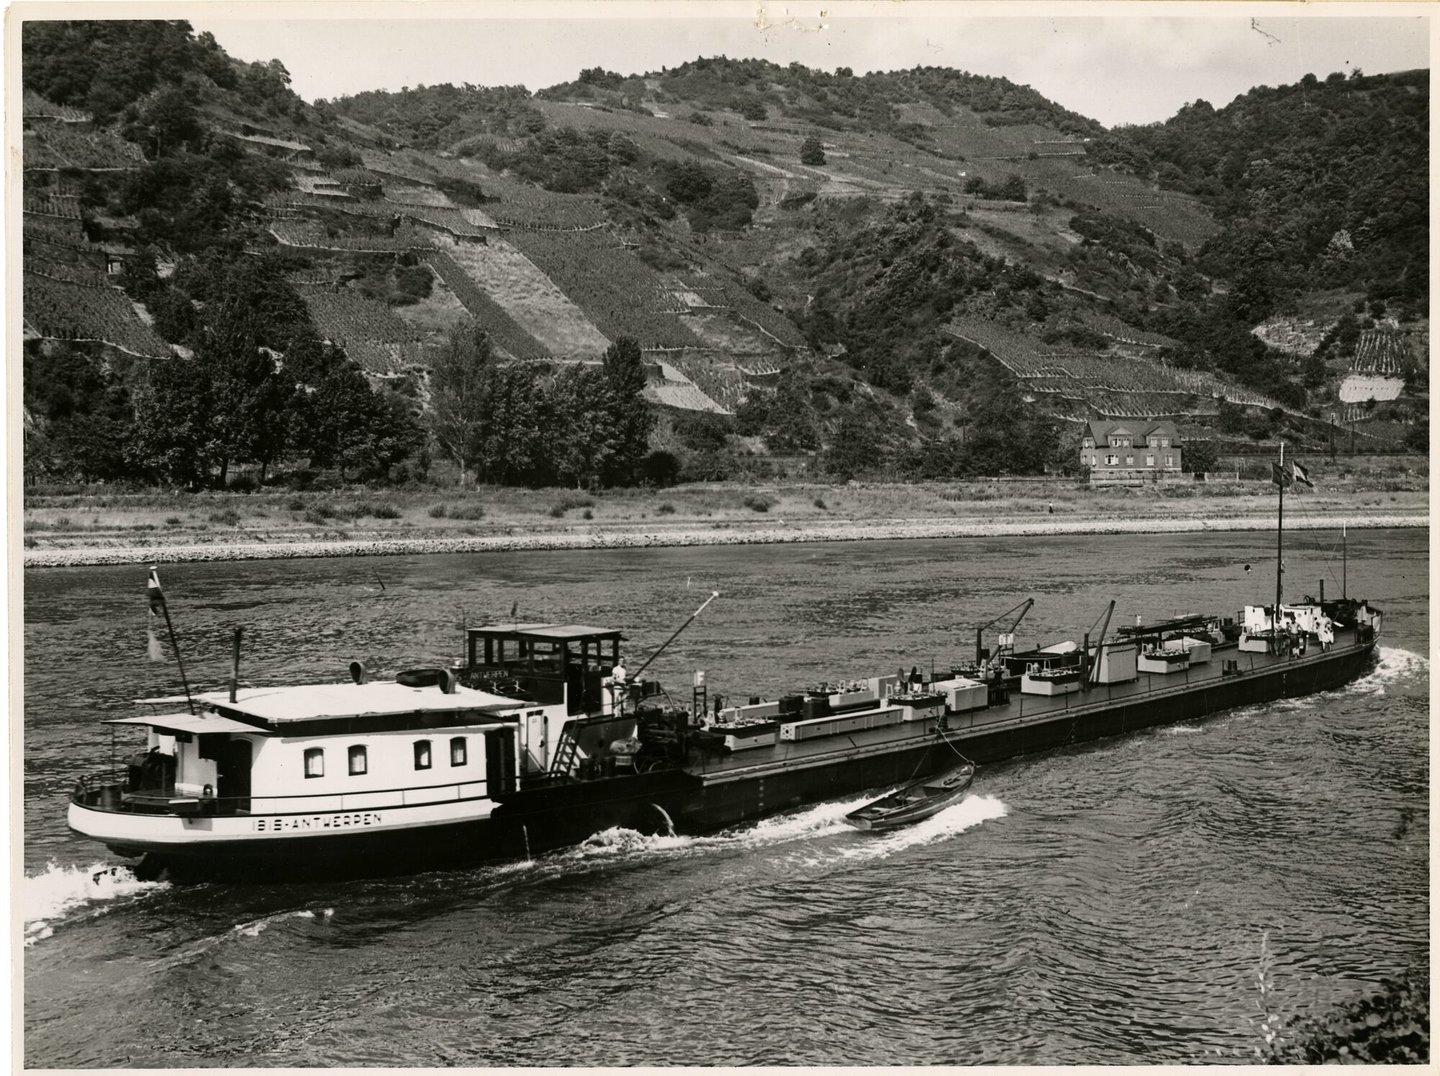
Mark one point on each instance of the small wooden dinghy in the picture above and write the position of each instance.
(915, 801)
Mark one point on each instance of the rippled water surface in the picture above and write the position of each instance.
(1102, 904)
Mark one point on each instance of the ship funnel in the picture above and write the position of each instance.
(447, 681)
(359, 673)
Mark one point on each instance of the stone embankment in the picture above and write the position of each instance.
(598, 538)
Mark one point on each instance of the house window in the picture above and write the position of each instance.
(422, 754)
(1169, 461)
(1111, 461)
(314, 762)
(1130, 461)
(359, 763)
(1088, 442)
(457, 751)
(1149, 461)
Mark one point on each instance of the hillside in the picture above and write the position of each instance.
(895, 273)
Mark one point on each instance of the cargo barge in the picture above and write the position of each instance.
(539, 739)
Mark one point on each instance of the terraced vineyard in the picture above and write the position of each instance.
(528, 296)
(505, 332)
(70, 310)
(67, 145)
(621, 294)
(344, 316)
(1113, 385)
(311, 236)
(1381, 351)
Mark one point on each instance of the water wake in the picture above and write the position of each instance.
(58, 892)
(253, 929)
(968, 813)
(1395, 666)
(821, 820)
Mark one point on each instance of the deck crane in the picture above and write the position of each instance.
(1018, 613)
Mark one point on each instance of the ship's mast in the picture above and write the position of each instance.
(1279, 541)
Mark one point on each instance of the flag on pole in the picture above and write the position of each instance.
(1300, 475)
(1280, 476)
(157, 610)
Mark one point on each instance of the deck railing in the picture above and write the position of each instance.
(107, 791)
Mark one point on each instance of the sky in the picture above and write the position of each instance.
(1103, 61)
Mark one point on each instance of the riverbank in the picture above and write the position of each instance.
(717, 534)
(100, 526)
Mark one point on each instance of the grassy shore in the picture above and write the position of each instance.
(101, 527)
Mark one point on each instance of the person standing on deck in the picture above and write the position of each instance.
(617, 686)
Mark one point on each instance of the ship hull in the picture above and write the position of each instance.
(712, 801)
(551, 814)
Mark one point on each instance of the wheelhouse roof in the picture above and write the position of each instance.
(201, 723)
(280, 705)
(556, 632)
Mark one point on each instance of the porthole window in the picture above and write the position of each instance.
(314, 762)
(422, 754)
(457, 751)
(359, 764)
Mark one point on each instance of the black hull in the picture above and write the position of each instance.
(537, 819)
(700, 806)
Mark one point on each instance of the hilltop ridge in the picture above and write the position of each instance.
(903, 273)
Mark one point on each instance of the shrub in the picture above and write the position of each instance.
(438, 511)
(820, 504)
(467, 511)
(587, 514)
(384, 510)
(557, 511)
(666, 509)
(173, 521)
(229, 517)
(758, 502)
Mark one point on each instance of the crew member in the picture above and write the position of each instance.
(617, 686)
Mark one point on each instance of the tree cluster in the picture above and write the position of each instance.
(258, 388)
(1328, 178)
(512, 423)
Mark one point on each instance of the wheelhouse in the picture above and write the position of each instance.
(545, 664)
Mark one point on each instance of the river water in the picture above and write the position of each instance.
(1117, 902)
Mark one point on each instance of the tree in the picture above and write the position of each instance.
(626, 410)
(486, 415)
(582, 438)
(812, 152)
(1200, 457)
(457, 394)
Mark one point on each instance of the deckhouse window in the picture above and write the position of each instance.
(359, 764)
(457, 751)
(422, 754)
(314, 762)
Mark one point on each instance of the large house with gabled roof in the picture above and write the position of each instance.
(1130, 450)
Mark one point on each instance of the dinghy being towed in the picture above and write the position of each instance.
(920, 799)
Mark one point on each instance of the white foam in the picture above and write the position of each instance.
(967, 814)
(1394, 666)
(254, 928)
(59, 891)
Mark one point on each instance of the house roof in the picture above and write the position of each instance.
(1101, 429)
